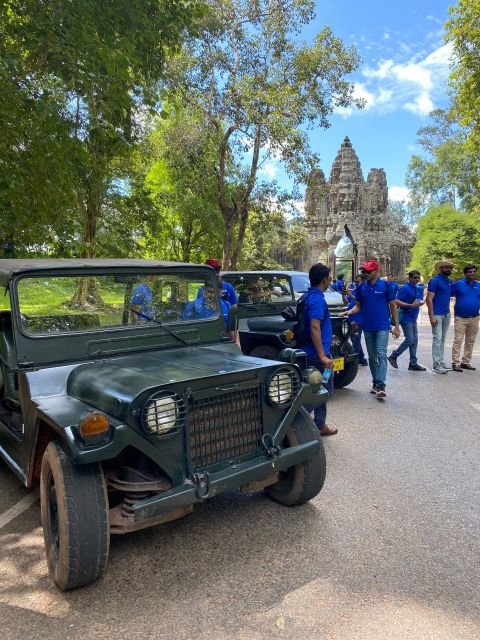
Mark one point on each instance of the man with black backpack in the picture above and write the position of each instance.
(317, 336)
(375, 298)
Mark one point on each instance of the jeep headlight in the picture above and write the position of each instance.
(283, 387)
(345, 328)
(162, 413)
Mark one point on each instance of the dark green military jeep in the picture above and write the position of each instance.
(123, 393)
(263, 295)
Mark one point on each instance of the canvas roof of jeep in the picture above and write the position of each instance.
(10, 267)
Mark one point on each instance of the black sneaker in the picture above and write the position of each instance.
(364, 363)
(393, 362)
(457, 368)
(381, 393)
(416, 367)
(374, 390)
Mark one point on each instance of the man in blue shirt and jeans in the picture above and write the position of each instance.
(438, 304)
(318, 330)
(375, 298)
(407, 300)
(466, 312)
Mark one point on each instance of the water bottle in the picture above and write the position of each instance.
(326, 376)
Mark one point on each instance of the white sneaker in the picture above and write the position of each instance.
(439, 369)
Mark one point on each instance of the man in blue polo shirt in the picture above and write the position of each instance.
(376, 300)
(409, 304)
(227, 292)
(340, 283)
(318, 330)
(466, 313)
(438, 304)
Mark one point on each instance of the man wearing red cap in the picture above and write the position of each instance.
(375, 298)
(227, 292)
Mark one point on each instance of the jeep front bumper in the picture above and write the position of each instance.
(231, 477)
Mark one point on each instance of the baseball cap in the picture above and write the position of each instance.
(213, 262)
(370, 265)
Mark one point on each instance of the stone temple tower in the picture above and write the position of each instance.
(347, 199)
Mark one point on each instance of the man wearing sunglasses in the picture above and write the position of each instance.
(466, 314)
(375, 298)
(438, 304)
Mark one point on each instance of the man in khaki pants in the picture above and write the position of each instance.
(466, 311)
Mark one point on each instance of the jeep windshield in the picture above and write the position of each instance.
(54, 304)
(261, 289)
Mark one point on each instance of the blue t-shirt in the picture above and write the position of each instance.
(316, 308)
(200, 309)
(394, 286)
(228, 293)
(409, 293)
(355, 317)
(374, 300)
(142, 297)
(339, 286)
(442, 288)
(467, 298)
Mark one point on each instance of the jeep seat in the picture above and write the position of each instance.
(273, 324)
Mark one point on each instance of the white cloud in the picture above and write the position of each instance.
(412, 85)
(269, 169)
(386, 36)
(398, 194)
(421, 106)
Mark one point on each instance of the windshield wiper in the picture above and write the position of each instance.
(164, 326)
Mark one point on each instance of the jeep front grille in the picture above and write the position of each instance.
(224, 427)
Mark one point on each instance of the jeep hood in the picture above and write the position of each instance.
(111, 385)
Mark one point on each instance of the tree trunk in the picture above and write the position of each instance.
(240, 237)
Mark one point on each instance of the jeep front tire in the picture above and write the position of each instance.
(74, 510)
(299, 484)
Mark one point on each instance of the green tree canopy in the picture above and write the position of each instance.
(448, 171)
(258, 88)
(77, 78)
(463, 30)
(443, 232)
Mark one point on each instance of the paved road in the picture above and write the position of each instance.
(388, 550)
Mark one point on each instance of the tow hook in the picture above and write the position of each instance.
(272, 450)
(202, 482)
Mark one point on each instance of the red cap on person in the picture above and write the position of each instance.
(370, 265)
(213, 262)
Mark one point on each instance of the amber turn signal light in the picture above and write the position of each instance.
(93, 424)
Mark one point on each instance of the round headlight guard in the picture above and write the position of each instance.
(283, 387)
(345, 328)
(162, 413)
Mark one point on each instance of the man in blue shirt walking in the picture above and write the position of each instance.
(438, 305)
(318, 330)
(376, 300)
(407, 300)
(466, 314)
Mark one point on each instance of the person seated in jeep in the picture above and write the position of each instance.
(205, 305)
(142, 302)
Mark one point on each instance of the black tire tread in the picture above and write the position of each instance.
(347, 376)
(84, 547)
(312, 470)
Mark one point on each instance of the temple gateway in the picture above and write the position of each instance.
(348, 220)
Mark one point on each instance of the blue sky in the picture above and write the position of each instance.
(403, 76)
